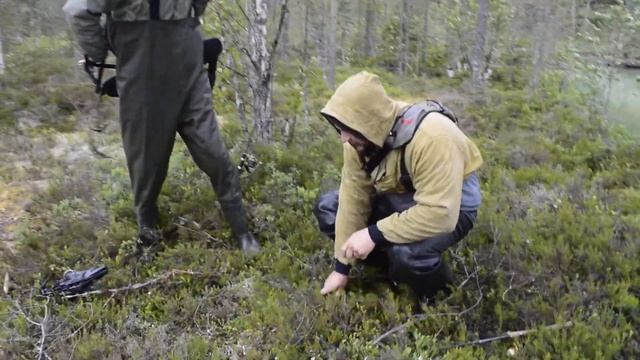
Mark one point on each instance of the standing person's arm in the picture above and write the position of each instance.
(84, 17)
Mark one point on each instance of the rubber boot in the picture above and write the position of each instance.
(249, 245)
(237, 218)
(149, 237)
(433, 282)
(426, 274)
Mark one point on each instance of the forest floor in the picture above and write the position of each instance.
(555, 242)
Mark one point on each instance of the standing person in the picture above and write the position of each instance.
(408, 189)
(163, 89)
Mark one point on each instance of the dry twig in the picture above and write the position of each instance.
(43, 331)
(153, 281)
(509, 335)
(42, 325)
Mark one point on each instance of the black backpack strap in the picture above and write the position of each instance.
(154, 9)
(405, 178)
(403, 130)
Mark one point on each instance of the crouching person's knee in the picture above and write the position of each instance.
(426, 273)
(325, 212)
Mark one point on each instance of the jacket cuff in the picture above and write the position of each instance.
(342, 268)
(377, 236)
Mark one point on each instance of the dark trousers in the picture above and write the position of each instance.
(419, 264)
(164, 90)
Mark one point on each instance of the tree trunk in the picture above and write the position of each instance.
(239, 101)
(459, 41)
(284, 47)
(1, 55)
(260, 65)
(369, 29)
(260, 70)
(404, 37)
(477, 59)
(305, 64)
(319, 35)
(421, 51)
(574, 23)
(587, 14)
(540, 45)
(332, 46)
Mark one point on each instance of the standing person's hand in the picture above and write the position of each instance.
(334, 281)
(359, 245)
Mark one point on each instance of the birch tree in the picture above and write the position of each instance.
(540, 43)
(305, 64)
(421, 49)
(319, 35)
(284, 48)
(477, 57)
(404, 37)
(260, 59)
(369, 28)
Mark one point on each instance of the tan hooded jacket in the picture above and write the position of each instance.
(438, 159)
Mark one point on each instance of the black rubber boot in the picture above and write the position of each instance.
(248, 244)
(149, 237)
(425, 273)
(149, 242)
(235, 214)
(439, 279)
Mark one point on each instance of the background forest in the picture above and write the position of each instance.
(549, 90)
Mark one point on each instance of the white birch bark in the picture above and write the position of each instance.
(261, 65)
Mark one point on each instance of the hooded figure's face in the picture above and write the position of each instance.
(347, 135)
(362, 112)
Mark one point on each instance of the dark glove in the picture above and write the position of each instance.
(75, 282)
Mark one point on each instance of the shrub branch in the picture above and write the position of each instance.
(165, 276)
(509, 335)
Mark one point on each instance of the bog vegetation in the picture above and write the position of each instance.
(555, 252)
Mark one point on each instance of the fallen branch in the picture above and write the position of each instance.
(509, 335)
(401, 327)
(150, 282)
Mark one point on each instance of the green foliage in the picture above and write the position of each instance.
(556, 241)
(38, 86)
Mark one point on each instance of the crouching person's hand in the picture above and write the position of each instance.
(334, 281)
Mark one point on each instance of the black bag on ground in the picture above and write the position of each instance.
(75, 282)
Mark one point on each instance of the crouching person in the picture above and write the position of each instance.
(408, 189)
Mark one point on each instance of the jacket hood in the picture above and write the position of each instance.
(361, 104)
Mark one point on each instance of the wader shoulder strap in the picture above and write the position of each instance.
(405, 178)
(404, 127)
(154, 9)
